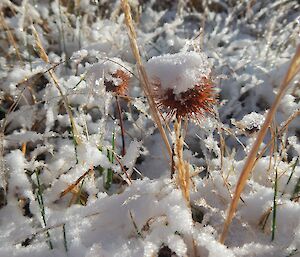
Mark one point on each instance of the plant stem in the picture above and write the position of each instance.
(121, 126)
(78, 200)
(65, 238)
(108, 174)
(42, 208)
(274, 206)
(291, 175)
(182, 167)
(62, 32)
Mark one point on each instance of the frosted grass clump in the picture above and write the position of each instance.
(180, 71)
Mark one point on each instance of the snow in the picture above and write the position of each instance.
(90, 156)
(180, 71)
(253, 121)
(240, 47)
(133, 152)
(105, 69)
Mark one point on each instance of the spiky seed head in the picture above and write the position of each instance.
(119, 83)
(182, 84)
(193, 103)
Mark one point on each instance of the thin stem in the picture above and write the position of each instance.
(123, 168)
(42, 207)
(291, 175)
(274, 205)
(143, 75)
(173, 162)
(78, 200)
(182, 167)
(65, 238)
(62, 31)
(250, 161)
(121, 126)
(108, 173)
(71, 187)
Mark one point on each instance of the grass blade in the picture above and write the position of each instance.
(108, 173)
(291, 175)
(43, 55)
(274, 206)
(40, 200)
(249, 164)
(65, 238)
(296, 190)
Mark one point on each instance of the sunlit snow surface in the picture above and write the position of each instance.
(179, 72)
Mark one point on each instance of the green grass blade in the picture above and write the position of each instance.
(274, 205)
(65, 238)
(40, 199)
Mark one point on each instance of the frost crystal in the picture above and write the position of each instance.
(253, 121)
(180, 71)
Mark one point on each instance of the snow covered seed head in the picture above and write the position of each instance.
(181, 84)
(118, 83)
(112, 74)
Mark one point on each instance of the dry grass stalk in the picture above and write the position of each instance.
(143, 75)
(24, 148)
(249, 164)
(129, 181)
(10, 37)
(44, 56)
(3, 169)
(273, 147)
(281, 130)
(74, 185)
(3, 173)
(78, 195)
(222, 147)
(182, 167)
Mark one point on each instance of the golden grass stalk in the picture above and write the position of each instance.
(143, 75)
(43, 55)
(182, 167)
(249, 164)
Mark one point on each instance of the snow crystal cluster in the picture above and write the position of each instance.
(67, 188)
(180, 72)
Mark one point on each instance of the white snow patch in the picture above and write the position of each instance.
(180, 71)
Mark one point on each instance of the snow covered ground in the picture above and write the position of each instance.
(70, 185)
